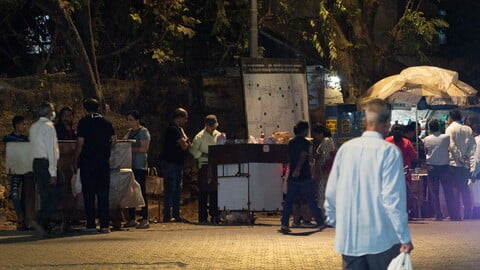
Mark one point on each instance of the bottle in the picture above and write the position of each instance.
(262, 138)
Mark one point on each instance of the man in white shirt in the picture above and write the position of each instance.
(462, 160)
(45, 152)
(366, 199)
(206, 182)
(436, 148)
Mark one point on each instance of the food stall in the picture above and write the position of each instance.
(422, 93)
(19, 161)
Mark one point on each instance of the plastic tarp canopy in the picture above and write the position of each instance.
(426, 87)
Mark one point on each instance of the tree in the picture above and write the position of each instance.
(343, 33)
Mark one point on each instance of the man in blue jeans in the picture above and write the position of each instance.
(176, 145)
(18, 135)
(299, 178)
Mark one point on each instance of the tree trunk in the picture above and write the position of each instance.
(85, 64)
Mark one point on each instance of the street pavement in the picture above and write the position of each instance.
(438, 245)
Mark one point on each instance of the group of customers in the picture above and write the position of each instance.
(95, 137)
(450, 160)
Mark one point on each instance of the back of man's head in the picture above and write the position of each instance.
(180, 112)
(45, 109)
(455, 115)
(17, 119)
(91, 105)
(301, 127)
(434, 125)
(377, 111)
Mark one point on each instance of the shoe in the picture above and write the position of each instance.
(144, 224)
(215, 220)
(179, 220)
(117, 225)
(104, 230)
(166, 219)
(67, 228)
(90, 231)
(455, 219)
(284, 230)
(321, 226)
(131, 223)
(39, 229)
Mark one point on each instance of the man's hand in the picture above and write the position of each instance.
(53, 180)
(296, 173)
(406, 248)
(205, 155)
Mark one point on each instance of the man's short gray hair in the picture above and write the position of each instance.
(45, 109)
(377, 111)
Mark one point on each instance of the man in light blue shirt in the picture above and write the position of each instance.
(366, 196)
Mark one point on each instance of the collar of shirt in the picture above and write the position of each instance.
(45, 119)
(372, 134)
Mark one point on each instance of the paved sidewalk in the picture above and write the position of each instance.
(438, 245)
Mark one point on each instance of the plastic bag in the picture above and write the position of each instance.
(401, 262)
(475, 190)
(134, 197)
(76, 183)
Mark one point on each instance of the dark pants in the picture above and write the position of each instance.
(50, 194)
(140, 176)
(172, 174)
(378, 261)
(96, 181)
(460, 182)
(208, 195)
(306, 187)
(440, 175)
(17, 191)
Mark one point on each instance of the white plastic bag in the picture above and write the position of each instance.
(133, 198)
(401, 262)
(76, 183)
(475, 190)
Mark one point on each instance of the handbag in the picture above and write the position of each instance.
(401, 262)
(153, 183)
(475, 191)
(76, 183)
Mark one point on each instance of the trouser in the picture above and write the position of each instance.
(440, 175)
(293, 188)
(378, 261)
(172, 174)
(50, 194)
(140, 176)
(208, 195)
(17, 191)
(96, 182)
(460, 177)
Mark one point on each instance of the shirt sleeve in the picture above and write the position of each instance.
(144, 135)
(81, 129)
(471, 147)
(394, 195)
(52, 150)
(331, 191)
(412, 153)
(195, 148)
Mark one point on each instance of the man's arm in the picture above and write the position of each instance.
(78, 151)
(394, 196)
(195, 147)
(52, 154)
(331, 191)
(302, 159)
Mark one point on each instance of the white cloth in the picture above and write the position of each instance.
(436, 148)
(43, 138)
(462, 145)
(366, 196)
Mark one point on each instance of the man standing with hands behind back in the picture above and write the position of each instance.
(175, 147)
(96, 137)
(45, 152)
(366, 197)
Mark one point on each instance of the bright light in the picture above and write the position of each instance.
(334, 79)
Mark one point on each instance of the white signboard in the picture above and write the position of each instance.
(275, 93)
